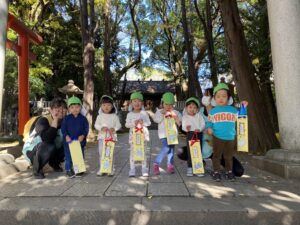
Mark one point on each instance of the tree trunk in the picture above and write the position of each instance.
(107, 72)
(261, 133)
(138, 59)
(266, 90)
(194, 86)
(208, 32)
(87, 32)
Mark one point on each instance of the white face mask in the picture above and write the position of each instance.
(206, 100)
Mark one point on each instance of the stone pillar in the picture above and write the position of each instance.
(3, 27)
(284, 20)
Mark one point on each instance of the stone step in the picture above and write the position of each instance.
(146, 211)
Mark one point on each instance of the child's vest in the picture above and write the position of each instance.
(33, 139)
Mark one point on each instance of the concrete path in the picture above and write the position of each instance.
(256, 198)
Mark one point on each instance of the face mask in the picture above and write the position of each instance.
(205, 100)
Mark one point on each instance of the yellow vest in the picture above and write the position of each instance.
(28, 126)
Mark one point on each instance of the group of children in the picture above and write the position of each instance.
(221, 125)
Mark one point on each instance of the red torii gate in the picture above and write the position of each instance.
(22, 49)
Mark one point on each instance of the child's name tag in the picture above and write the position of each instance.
(242, 130)
(106, 164)
(196, 157)
(138, 144)
(77, 157)
(242, 134)
(171, 131)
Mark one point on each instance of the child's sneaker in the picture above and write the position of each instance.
(132, 173)
(189, 172)
(217, 176)
(200, 174)
(230, 176)
(111, 174)
(79, 174)
(99, 174)
(70, 174)
(145, 172)
(156, 169)
(171, 168)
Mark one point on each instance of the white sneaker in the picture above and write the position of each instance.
(100, 174)
(132, 173)
(145, 172)
(189, 172)
(200, 175)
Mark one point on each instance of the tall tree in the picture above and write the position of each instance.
(135, 59)
(257, 34)
(106, 49)
(262, 136)
(206, 20)
(194, 86)
(87, 16)
(166, 43)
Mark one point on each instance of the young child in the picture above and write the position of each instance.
(74, 127)
(222, 126)
(192, 121)
(107, 123)
(137, 117)
(168, 101)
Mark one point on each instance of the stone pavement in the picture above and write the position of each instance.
(256, 198)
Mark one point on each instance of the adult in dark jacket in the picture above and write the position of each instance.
(45, 143)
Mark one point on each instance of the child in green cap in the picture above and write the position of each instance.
(192, 121)
(74, 127)
(222, 125)
(138, 118)
(168, 102)
(107, 123)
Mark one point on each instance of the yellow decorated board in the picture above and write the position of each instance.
(171, 131)
(242, 134)
(196, 157)
(138, 144)
(77, 157)
(106, 165)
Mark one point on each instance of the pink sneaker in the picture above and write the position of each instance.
(156, 169)
(171, 168)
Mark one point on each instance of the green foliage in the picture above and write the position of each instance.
(59, 57)
(256, 28)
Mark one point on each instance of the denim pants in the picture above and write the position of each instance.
(68, 159)
(165, 150)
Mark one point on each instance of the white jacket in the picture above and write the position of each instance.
(107, 120)
(159, 118)
(196, 122)
(130, 123)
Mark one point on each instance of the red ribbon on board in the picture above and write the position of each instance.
(138, 129)
(195, 138)
(108, 139)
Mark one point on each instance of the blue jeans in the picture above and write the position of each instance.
(166, 149)
(68, 159)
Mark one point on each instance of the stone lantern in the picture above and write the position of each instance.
(70, 89)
